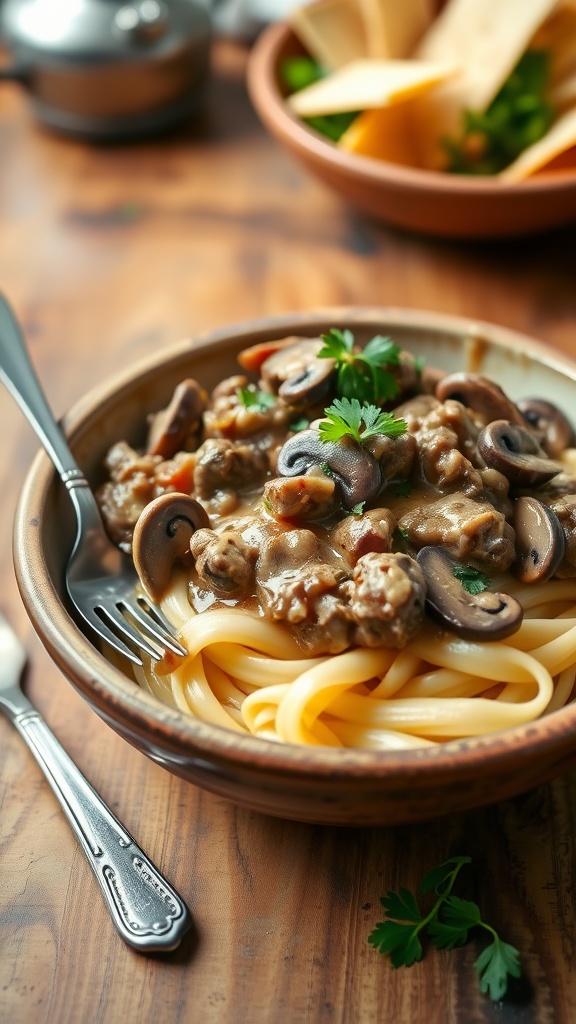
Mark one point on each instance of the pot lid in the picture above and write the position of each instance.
(93, 30)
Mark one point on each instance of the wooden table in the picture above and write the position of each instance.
(108, 254)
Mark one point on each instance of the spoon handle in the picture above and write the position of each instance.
(148, 913)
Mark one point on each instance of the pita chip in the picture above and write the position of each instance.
(394, 27)
(331, 30)
(366, 84)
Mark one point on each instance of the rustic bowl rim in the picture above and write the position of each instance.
(269, 102)
(122, 703)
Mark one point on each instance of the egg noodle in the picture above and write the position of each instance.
(247, 673)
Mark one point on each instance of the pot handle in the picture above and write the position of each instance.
(15, 73)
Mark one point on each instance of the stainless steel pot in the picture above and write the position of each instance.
(108, 70)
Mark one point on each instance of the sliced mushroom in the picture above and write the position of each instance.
(540, 540)
(548, 420)
(480, 394)
(297, 374)
(162, 539)
(484, 616)
(515, 452)
(356, 472)
(170, 427)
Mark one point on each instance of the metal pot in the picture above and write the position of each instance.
(107, 70)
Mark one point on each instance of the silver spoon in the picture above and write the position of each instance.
(146, 910)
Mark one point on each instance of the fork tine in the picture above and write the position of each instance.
(156, 626)
(108, 616)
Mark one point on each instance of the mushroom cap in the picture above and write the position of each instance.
(162, 538)
(298, 375)
(356, 472)
(480, 394)
(515, 452)
(555, 428)
(540, 540)
(484, 616)
(170, 427)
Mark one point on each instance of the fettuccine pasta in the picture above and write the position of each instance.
(248, 674)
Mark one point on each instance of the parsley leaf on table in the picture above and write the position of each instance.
(447, 924)
(362, 375)
(347, 418)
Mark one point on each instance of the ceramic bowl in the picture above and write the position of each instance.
(446, 205)
(323, 785)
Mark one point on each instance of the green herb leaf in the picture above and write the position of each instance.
(253, 399)
(337, 344)
(362, 374)
(435, 878)
(459, 916)
(299, 424)
(447, 924)
(494, 965)
(299, 72)
(473, 581)
(356, 510)
(348, 418)
(517, 117)
(399, 941)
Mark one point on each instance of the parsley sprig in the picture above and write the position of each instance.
(473, 581)
(362, 375)
(347, 418)
(252, 398)
(447, 924)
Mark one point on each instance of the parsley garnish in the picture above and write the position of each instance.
(473, 581)
(299, 424)
(447, 924)
(356, 510)
(253, 399)
(517, 117)
(362, 375)
(347, 418)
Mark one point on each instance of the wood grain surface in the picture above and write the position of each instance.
(107, 254)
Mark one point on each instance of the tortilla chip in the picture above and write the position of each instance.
(366, 84)
(489, 37)
(383, 133)
(560, 138)
(394, 28)
(331, 30)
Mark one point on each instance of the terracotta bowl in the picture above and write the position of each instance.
(345, 787)
(441, 204)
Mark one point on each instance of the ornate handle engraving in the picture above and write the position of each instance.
(148, 913)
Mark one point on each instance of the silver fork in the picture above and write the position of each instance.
(148, 913)
(101, 582)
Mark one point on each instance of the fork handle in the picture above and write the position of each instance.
(148, 913)
(19, 376)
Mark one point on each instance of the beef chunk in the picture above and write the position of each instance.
(467, 529)
(222, 465)
(357, 535)
(387, 594)
(305, 498)
(224, 561)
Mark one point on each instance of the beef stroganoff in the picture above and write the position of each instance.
(358, 550)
